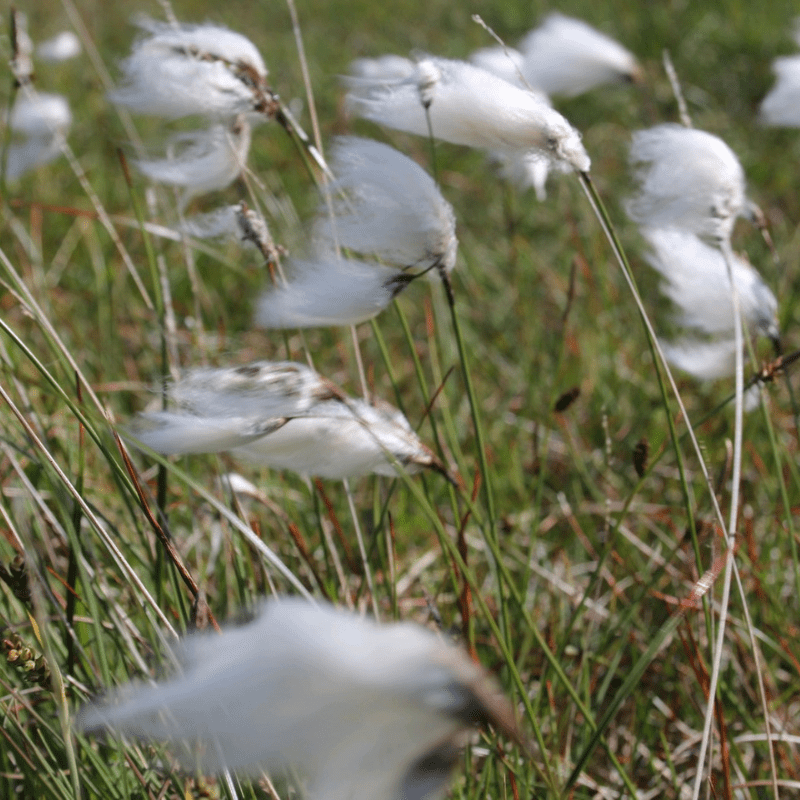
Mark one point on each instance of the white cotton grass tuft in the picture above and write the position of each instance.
(329, 290)
(283, 415)
(204, 160)
(61, 47)
(505, 62)
(361, 709)
(781, 106)
(184, 70)
(385, 205)
(383, 68)
(237, 221)
(43, 120)
(566, 56)
(470, 106)
(688, 179)
(696, 281)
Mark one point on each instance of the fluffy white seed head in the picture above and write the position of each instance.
(285, 416)
(471, 107)
(40, 114)
(362, 710)
(180, 71)
(203, 161)
(43, 121)
(329, 291)
(696, 281)
(386, 205)
(704, 360)
(382, 69)
(688, 179)
(61, 47)
(238, 222)
(567, 56)
(505, 62)
(782, 105)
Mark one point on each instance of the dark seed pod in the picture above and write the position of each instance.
(640, 454)
(567, 399)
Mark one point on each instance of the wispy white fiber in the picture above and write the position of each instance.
(505, 62)
(566, 56)
(61, 47)
(258, 389)
(362, 710)
(386, 205)
(176, 71)
(782, 105)
(383, 69)
(704, 360)
(43, 120)
(238, 222)
(696, 280)
(204, 160)
(688, 179)
(329, 291)
(286, 416)
(472, 107)
(525, 170)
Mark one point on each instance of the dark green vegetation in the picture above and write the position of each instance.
(582, 573)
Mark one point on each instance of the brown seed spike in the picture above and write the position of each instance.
(640, 454)
(567, 399)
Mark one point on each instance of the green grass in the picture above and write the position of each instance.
(582, 577)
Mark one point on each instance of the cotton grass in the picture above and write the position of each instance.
(472, 107)
(285, 416)
(566, 56)
(362, 709)
(184, 70)
(386, 205)
(688, 179)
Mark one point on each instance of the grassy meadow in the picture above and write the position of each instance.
(569, 557)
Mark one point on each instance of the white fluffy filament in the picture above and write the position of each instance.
(363, 710)
(44, 120)
(567, 56)
(329, 291)
(208, 160)
(696, 280)
(472, 107)
(689, 179)
(183, 70)
(386, 205)
(286, 416)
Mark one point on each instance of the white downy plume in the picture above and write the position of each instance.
(689, 179)
(696, 280)
(205, 161)
(61, 47)
(286, 416)
(383, 68)
(386, 205)
(178, 71)
(525, 169)
(704, 360)
(44, 120)
(330, 291)
(566, 56)
(471, 107)
(505, 62)
(362, 709)
(782, 105)
(259, 389)
(238, 222)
